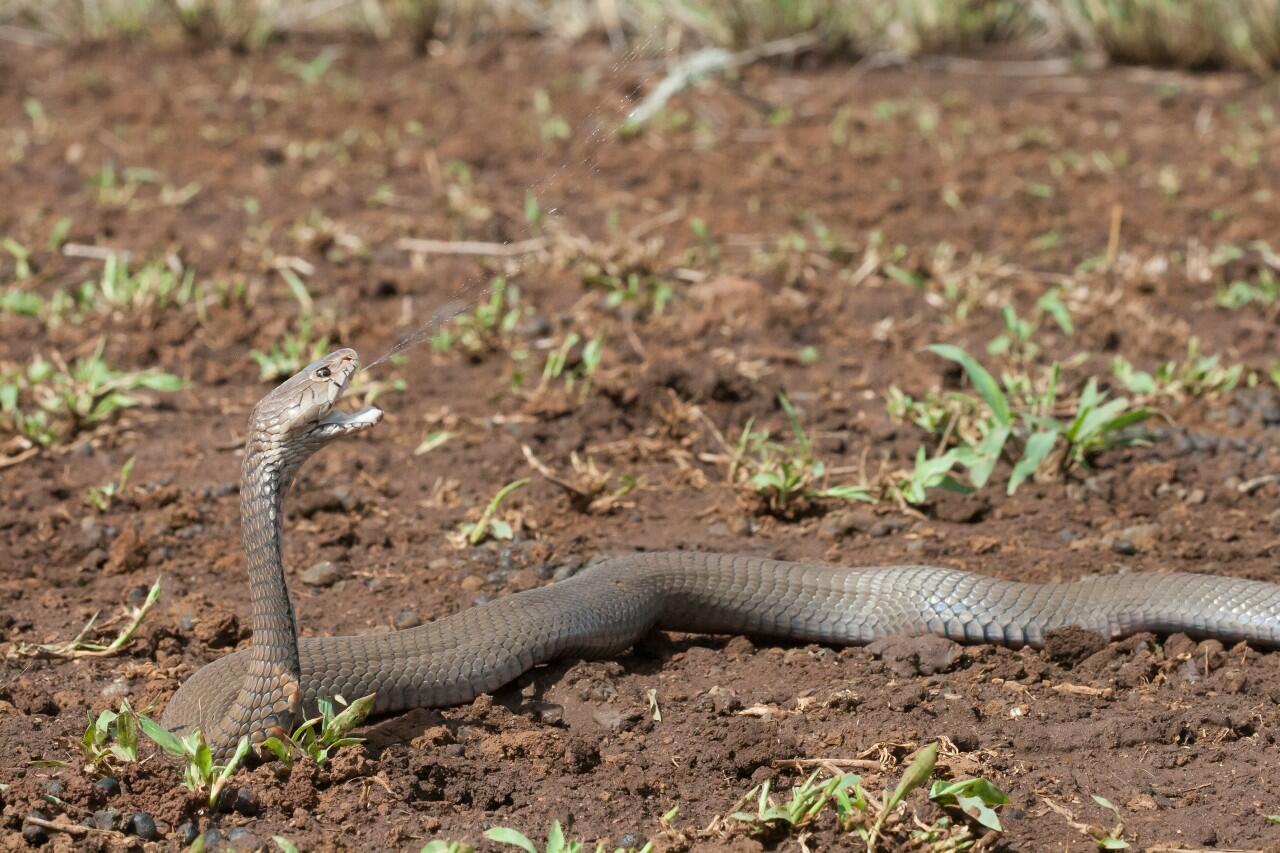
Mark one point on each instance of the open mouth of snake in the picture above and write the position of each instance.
(339, 421)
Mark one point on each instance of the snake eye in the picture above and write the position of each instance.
(324, 372)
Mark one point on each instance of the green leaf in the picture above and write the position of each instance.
(161, 736)
(285, 845)
(352, 716)
(506, 835)
(1052, 305)
(279, 749)
(1038, 447)
(988, 454)
(847, 493)
(977, 798)
(160, 381)
(1113, 844)
(917, 774)
(983, 381)
(555, 838)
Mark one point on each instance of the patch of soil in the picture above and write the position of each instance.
(851, 218)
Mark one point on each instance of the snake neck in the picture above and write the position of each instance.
(265, 481)
(269, 698)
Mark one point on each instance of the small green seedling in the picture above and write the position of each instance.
(110, 740)
(807, 801)
(977, 798)
(291, 353)
(100, 497)
(484, 329)
(49, 402)
(199, 773)
(319, 736)
(783, 474)
(488, 526)
(556, 842)
(918, 772)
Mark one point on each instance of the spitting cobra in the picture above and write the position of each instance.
(265, 688)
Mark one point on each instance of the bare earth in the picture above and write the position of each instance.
(1018, 178)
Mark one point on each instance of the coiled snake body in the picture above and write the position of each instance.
(265, 688)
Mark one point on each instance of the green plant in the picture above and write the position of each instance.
(49, 402)
(559, 366)
(317, 737)
(643, 293)
(488, 525)
(552, 128)
(807, 801)
(199, 773)
(556, 842)
(294, 351)
(1018, 412)
(977, 799)
(100, 497)
(483, 329)
(110, 740)
(1196, 375)
(21, 257)
(313, 71)
(784, 473)
(1240, 292)
(1016, 340)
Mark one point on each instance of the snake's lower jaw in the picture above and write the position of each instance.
(338, 423)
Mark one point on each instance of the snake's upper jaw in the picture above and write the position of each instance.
(338, 423)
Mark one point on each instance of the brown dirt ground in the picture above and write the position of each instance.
(1180, 736)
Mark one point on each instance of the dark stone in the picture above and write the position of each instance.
(108, 786)
(1124, 547)
(246, 803)
(106, 819)
(32, 834)
(188, 833)
(144, 826)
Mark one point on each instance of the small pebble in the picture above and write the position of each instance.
(1125, 547)
(188, 833)
(407, 618)
(32, 834)
(243, 838)
(106, 818)
(629, 840)
(144, 826)
(53, 787)
(322, 574)
(246, 803)
(108, 786)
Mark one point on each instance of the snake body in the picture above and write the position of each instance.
(266, 687)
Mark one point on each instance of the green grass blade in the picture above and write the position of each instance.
(983, 381)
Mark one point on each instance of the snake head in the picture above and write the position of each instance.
(300, 413)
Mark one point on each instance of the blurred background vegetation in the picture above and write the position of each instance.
(1242, 34)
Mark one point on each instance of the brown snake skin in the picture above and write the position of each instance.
(266, 688)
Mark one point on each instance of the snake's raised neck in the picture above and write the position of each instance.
(286, 428)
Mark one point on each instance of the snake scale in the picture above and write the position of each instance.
(265, 688)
